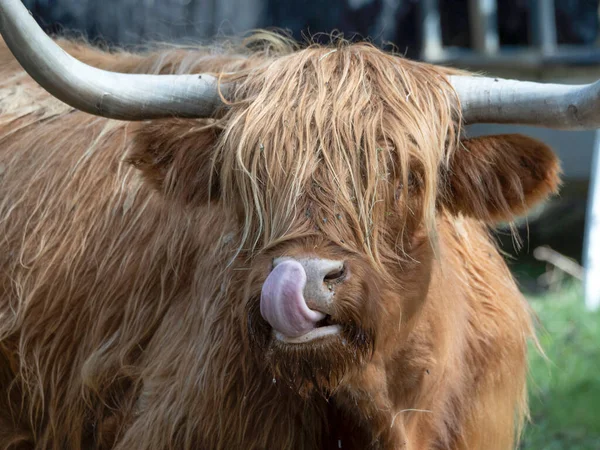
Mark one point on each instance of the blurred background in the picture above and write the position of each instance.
(540, 40)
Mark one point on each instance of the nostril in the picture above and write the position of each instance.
(337, 274)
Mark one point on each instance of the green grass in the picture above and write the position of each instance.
(564, 390)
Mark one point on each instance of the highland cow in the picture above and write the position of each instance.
(307, 267)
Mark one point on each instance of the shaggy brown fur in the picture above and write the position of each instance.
(132, 258)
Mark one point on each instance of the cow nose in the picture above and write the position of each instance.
(319, 270)
(323, 276)
(328, 271)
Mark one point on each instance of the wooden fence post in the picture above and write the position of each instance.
(591, 244)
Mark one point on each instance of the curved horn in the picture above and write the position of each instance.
(108, 94)
(494, 100)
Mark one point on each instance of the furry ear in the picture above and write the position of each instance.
(176, 158)
(495, 178)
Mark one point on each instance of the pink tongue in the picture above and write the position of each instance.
(282, 302)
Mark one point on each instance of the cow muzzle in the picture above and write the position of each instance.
(298, 296)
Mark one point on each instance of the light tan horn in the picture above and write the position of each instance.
(495, 100)
(100, 92)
